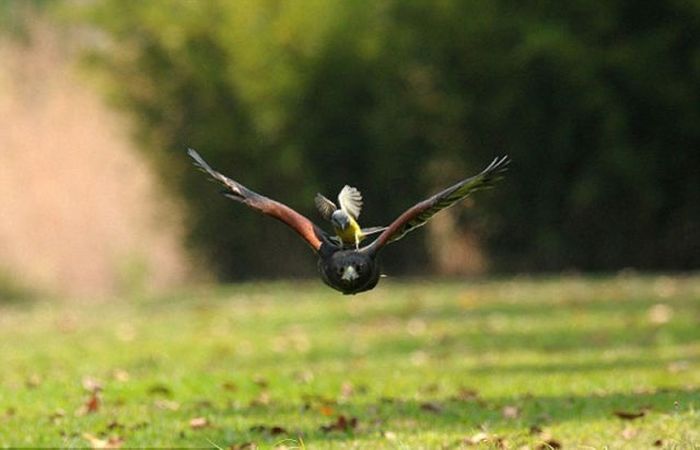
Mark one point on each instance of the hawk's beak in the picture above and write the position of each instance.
(349, 273)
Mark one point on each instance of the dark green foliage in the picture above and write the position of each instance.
(597, 104)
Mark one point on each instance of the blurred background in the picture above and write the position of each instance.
(598, 105)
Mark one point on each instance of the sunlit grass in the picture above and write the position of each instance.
(418, 364)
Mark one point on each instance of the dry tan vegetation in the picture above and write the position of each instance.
(80, 213)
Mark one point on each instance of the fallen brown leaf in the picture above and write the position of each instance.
(111, 442)
(91, 405)
(341, 424)
(262, 400)
(476, 438)
(389, 435)
(33, 381)
(660, 314)
(204, 404)
(629, 432)
(347, 389)
(326, 410)
(113, 425)
(678, 366)
(243, 446)
(510, 412)
(199, 422)
(630, 415)
(58, 414)
(273, 430)
(549, 445)
(432, 407)
(229, 386)
(304, 376)
(170, 405)
(121, 375)
(91, 384)
(261, 381)
(139, 425)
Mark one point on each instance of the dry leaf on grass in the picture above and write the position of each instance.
(326, 410)
(629, 432)
(56, 416)
(660, 314)
(476, 439)
(347, 390)
(199, 422)
(432, 407)
(91, 384)
(510, 412)
(243, 446)
(389, 435)
(121, 375)
(549, 445)
(91, 405)
(261, 400)
(261, 381)
(111, 442)
(229, 386)
(169, 405)
(341, 424)
(273, 430)
(33, 381)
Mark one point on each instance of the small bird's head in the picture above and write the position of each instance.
(340, 219)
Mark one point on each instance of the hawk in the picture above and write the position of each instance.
(353, 270)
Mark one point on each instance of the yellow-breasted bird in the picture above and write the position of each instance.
(344, 218)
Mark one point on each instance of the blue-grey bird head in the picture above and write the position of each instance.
(340, 219)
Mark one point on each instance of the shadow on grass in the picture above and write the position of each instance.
(453, 415)
(478, 341)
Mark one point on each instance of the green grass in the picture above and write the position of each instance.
(419, 364)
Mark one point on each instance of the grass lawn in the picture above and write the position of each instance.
(502, 363)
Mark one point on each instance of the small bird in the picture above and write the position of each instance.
(354, 270)
(344, 219)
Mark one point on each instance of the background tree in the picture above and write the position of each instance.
(598, 106)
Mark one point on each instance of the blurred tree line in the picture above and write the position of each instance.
(598, 104)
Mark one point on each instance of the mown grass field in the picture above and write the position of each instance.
(502, 363)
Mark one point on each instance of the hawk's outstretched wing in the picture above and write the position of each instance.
(312, 234)
(419, 214)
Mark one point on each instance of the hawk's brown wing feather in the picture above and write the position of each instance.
(419, 214)
(308, 231)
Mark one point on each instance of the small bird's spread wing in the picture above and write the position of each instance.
(325, 206)
(419, 214)
(350, 201)
(313, 235)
